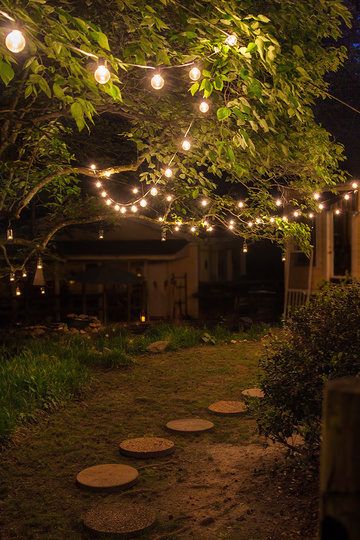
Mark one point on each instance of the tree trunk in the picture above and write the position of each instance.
(340, 461)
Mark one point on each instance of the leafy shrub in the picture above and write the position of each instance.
(321, 341)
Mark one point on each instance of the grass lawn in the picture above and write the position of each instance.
(217, 485)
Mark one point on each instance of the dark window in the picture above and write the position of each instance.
(342, 243)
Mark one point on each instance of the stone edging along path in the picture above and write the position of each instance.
(124, 519)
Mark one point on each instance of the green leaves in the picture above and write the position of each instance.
(78, 114)
(223, 112)
(6, 72)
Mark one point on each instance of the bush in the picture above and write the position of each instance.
(320, 341)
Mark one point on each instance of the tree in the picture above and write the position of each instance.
(262, 68)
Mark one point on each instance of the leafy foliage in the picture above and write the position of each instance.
(260, 138)
(321, 341)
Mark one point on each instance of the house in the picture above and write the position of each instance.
(336, 248)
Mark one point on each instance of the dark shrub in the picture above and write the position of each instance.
(321, 341)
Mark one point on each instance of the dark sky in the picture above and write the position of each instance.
(342, 122)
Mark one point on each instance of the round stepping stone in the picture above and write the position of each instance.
(189, 425)
(120, 519)
(147, 447)
(112, 476)
(228, 408)
(253, 392)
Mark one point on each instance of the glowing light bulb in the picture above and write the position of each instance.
(169, 198)
(316, 196)
(278, 202)
(204, 202)
(134, 208)
(98, 184)
(186, 145)
(117, 207)
(250, 224)
(103, 194)
(153, 191)
(193, 229)
(346, 196)
(321, 206)
(211, 228)
(296, 213)
(9, 234)
(101, 234)
(161, 219)
(283, 258)
(177, 228)
(15, 41)
(24, 273)
(39, 263)
(311, 215)
(337, 211)
(102, 74)
(195, 73)
(205, 223)
(18, 291)
(258, 220)
(157, 81)
(108, 202)
(123, 210)
(107, 174)
(272, 220)
(284, 218)
(93, 167)
(42, 290)
(12, 276)
(231, 40)
(168, 172)
(204, 107)
(245, 248)
(143, 203)
(354, 185)
(240, 204)
(231, 226)
(135, 190)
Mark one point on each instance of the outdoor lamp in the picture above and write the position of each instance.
(102, 74)
(15, 41)
(157, 81)
(195, 73)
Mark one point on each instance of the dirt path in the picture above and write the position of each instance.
(219, 485)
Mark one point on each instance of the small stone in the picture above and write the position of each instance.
(228, 408)
(158, 347)
(111, 476)
(147, 447)
(253, 392)
(123, 519)
(190, 425)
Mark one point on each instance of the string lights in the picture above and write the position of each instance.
(195, 73)
(157, 81)
(9, 234)
(102, 74)
(15, 41)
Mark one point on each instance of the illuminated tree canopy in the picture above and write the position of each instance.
(262, 68)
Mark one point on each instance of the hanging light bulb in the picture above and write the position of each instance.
(9, 234)
(15, 41)
(39, 263)
(103, 194)
(163, 235)
(284, 218)
(123, 210)
(278, 202)
(168, 172)
(42, 290)
(272, 220)
(160, 219)
(143, 203)
(101, 234)
(134, 208)
(210, 229)
(157, 81)
(231, 40)
(346, 196)
(250, 224)
(240, 204)
(135, 190)
(296, 214)
(108, 202)
(107, 174)
(93, 167)
(102, 74)
(321, 206)
(193, 229)
(354, 185)
(316, 196)
(153, 191)
(283, 258)
(169, 198)
(257, 220)
(204, 202)
(98, 184)
(231, 226)
(204, 107)
(12, 276)
(311, 215)
(186, 145)
(24, 273)
(177, 228)
(245, 248)
(194, 73)
(337, 211)
(18, 291)
(117, 207)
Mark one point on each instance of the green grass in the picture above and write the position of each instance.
(42, 374)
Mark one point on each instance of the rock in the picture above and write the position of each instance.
(158, 346)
